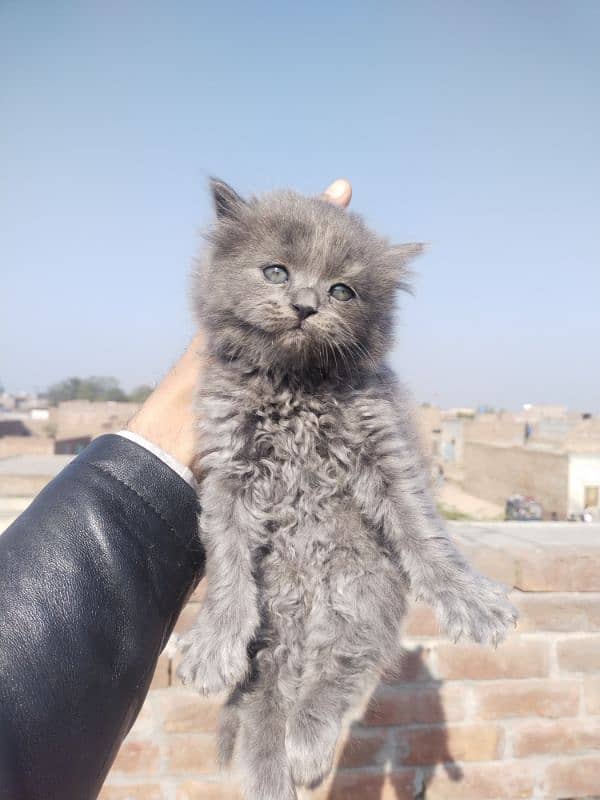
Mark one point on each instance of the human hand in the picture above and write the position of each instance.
(166, 417)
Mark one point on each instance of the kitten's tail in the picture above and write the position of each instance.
(229, 726)
(265, 767)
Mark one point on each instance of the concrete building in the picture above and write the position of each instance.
(564, 482)
(64, 429)
(429, 421)
(583, 482)
(76, 418)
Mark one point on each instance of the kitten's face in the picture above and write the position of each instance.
(297, 284)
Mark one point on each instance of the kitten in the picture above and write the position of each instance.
(317, 518)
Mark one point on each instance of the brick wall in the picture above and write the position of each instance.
(459, 722)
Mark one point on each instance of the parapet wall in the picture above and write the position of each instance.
(25, 445)
(460, 722)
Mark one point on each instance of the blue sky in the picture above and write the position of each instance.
(474, 126)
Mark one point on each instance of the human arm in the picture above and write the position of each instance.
(92, 578)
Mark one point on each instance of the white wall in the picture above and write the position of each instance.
(584, 470)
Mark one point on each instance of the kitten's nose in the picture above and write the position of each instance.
(305, 302)
(304, 311)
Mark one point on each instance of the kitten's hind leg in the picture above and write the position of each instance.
(348, 636)
(263, 760)
(315, 724)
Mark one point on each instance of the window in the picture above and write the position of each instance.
(591, 496)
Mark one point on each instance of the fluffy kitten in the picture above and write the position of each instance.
(317, 518)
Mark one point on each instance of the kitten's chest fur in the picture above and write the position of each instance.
(289, 450)
(302, 459)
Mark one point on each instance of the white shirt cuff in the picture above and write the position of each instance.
(183, 471)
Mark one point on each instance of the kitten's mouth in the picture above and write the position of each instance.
(296, 334)
(300, 326)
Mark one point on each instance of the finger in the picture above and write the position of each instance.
(339, 193)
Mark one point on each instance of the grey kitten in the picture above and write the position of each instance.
(317, 517)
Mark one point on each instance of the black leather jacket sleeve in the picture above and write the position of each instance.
(92, 578)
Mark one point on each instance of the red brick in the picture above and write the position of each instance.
(398, 785)
(545, 698)
(187, 617)
(144, 725)
(199, 790)
(184, 710)
(592, 694)
(162, 673)
(498, 564)
(500, 780)
(192, 752)
(138, 756)
(581, 654)
(558, 612)
(513, 659)
(575, 777)
(416, 704)
(421, 621)
(138, 791)
(564, 736)
(558, 570)
(429, 746)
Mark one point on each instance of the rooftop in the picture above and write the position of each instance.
(48, 465)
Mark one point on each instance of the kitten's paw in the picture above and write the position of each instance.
(482, 612)
(310, 747)
(210, 663)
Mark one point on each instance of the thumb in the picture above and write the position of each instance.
(338, 193)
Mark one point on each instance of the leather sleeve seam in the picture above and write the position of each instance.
(145, 500)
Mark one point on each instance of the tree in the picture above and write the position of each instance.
(93, 388)
(140, 393)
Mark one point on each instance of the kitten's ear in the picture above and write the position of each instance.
(400, 256)
(228, 203)
(403, 253)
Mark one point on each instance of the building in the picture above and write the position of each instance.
(64, 429)
(565, 482)
(74, 419)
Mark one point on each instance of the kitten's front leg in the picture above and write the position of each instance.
(215, 650)
(467, 603)
(391, 487)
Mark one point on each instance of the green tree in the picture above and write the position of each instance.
(94, 388)
(140, 393)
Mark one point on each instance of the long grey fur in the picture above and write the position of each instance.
(317, 518)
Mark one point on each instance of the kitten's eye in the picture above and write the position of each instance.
(275, 273)
(342, 292)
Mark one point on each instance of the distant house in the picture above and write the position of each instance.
(563, 481)
(72, 446)
(13, 427)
